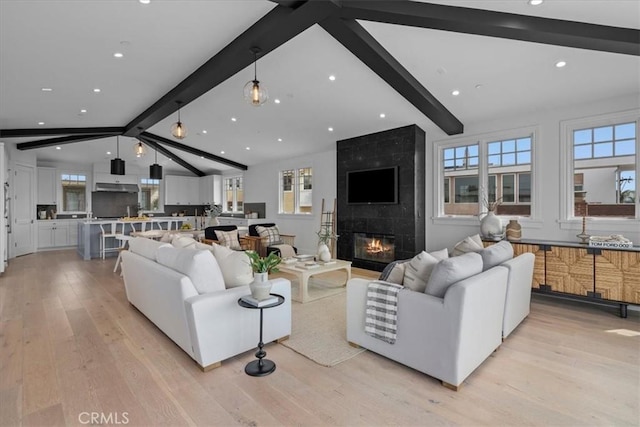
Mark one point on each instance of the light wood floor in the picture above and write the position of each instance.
(71, 345)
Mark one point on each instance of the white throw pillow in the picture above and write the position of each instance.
(469, 244)
(270, 234)
(496, 254)
(184, 242)
(418, 270)
(452, 270)
(145, 247)
(397, 274)
(440, 255)
(228, 239)
(235, 266)
(200, 266)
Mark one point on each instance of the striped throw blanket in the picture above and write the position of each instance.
(382, 310)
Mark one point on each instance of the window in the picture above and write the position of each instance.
(500, 166)
(296, 187)
(149, 197)
(234, 194)
(604, 170)
(74, 192)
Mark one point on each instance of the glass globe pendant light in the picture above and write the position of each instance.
(139, 149)
(178, 130)
(255, 94)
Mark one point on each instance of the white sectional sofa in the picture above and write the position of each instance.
(192, 308)
(449, 336)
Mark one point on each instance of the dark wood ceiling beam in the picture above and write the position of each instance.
(170, 155)
(497, 24)
(194, 151)
(26, 133)
(274, 29)
(42, 143)
(355, 38)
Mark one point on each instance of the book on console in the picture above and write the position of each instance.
(259, 303)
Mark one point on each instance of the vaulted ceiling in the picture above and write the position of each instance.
(397, 59)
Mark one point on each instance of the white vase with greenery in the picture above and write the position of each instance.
(262, 266)
(325, 236)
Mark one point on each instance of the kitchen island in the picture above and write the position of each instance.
(89, 231)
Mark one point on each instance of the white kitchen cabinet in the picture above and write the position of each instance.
(53, 234)
(211, 190)
(115, 179)
(181, 190)
(242, 222)
(47, 186)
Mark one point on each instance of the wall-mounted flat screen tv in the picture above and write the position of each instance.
(373, 186)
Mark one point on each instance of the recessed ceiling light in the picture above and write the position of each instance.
(145, 1)
(248, 148)
(118, 55)
(332, 78)
(277, 101)
(83, 111)
(535, 2)
(383, 115)
(561, 64)
(222, 152)
(330, 129)
(108, 153)
(46, 89)
(455, 92)
(58, 148)
(204, 131)
(96, 90)
(233, 119)
(202, 157)
(41, 123)
(279, 139)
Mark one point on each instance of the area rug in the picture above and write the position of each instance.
(318, 330)
(319, 286)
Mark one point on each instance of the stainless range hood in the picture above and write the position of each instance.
(116, 188)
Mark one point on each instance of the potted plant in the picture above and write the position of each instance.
(262, 266)
(325, 236)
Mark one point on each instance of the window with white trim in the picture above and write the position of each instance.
(149, 197)
(74, 192)
(604, 170)
(296, 186)
(489, 169)
(233, 194)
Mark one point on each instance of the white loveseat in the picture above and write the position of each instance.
(210, 327)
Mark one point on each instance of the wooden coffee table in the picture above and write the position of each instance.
(303, 274)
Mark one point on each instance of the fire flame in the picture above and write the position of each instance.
(375, 246)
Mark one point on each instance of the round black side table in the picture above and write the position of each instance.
(262, 366)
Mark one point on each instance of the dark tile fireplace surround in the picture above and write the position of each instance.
(402, 225)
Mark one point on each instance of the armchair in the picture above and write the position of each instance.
(263, 245)
(210, 236)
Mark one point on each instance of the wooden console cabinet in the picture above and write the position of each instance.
(605, 276)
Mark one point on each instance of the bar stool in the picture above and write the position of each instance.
(107, 235)
(124, 241)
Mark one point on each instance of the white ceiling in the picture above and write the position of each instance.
(68, 45)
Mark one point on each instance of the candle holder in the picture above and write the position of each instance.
(583, 236)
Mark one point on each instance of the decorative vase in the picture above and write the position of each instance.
(213, 221)
(261, 286)
(490, 225)
(514, 230)
(324, 254)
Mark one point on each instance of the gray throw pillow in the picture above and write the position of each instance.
(496, 254)
(452, 270)
(418, 270)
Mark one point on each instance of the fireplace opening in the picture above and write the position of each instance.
(374, 247)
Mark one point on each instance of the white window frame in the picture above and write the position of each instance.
(438, 216)
(296, 191)
(87, 190)
(567, 219)
(234, 200)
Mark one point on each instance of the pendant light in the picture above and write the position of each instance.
(178, 130)
(117, 164)
(155, 170)
(255, 94)
(139, 149)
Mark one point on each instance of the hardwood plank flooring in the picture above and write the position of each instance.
(71, 345)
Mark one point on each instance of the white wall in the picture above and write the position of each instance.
(548, 124)
(261, 185)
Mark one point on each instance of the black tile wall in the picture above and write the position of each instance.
(403, 147)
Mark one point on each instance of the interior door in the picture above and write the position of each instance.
(24, 212)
